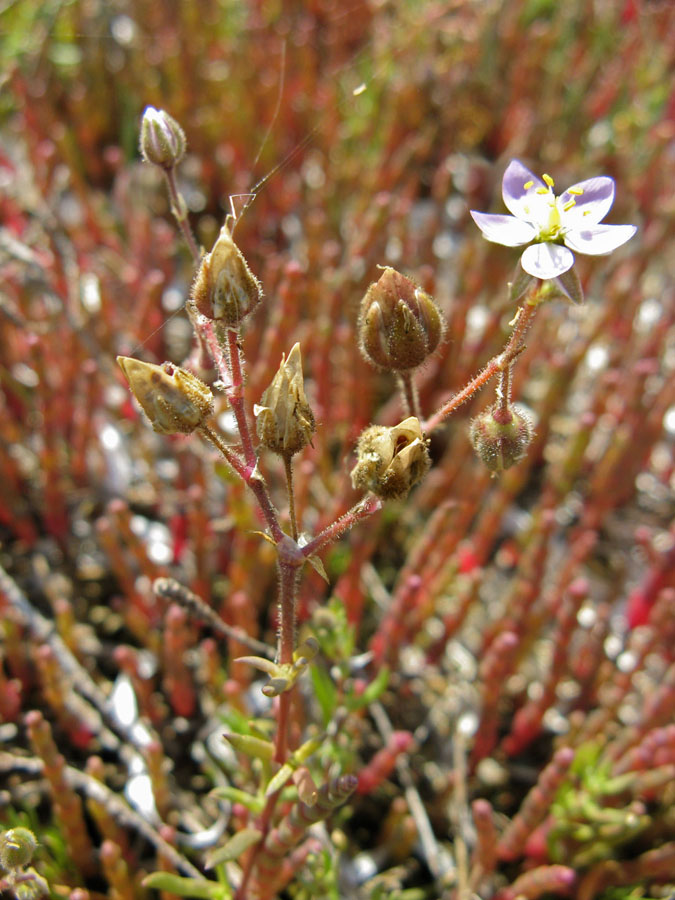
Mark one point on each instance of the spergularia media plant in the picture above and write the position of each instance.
(400, 327)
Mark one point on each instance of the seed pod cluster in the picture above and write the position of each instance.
(285, 421)
(500, 436)
(174, 400)
(224, 288)
(400, 325)
(391, 460)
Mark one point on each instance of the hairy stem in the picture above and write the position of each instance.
(500, 363)
(362, 510)
(288, 466)
(251, 476)
(180, 213)
(410, 396)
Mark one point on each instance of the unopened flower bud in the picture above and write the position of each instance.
(285, 421)
(17, 847)
(162, 138)
(399, 325)
(500, 436)
(391, 460)
(174, 400)
(224, 287)
(32, 887)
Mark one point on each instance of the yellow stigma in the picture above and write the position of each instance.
(569, 205)
(576, 191)
(549, 181)
(528, 185)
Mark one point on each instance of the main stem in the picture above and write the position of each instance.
(410, 395)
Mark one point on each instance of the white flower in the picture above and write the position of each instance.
(553, 226)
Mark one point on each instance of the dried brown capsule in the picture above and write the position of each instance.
(162, 138)
(174, 400)
(391, 460)
(500, 436)
(399, 325)
(224, 287)
(285, 421)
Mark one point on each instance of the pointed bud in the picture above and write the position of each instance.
(391, 460)
(17, 847)
(285, 421)
(224, 287)
(162, 138)
(174, 400)
(500, 437)
(399, 325)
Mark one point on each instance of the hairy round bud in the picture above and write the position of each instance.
(162, 138)
(399, 325)
(224, 287)
(391, 460)
(285, 421)
(17, 847)
(174, 400)
(500, 437)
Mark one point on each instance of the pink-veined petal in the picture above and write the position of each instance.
(599, 239)
(519, 200)
(505, 230)
(590, 206)
(547, 260)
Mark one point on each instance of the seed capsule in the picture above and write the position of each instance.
(399, 325)
(391, 460)
(224, 287)
(162, 138)
(174, 400)
(285, 421)
(500, 437)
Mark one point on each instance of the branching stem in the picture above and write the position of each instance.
(180, 213)
(500, 363)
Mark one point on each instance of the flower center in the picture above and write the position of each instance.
(548, 213)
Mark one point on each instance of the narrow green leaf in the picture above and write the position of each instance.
(324, 691)
(251, 746)
(279, 780)
(234, 795)
(234, 848)
(199, 888)
(373, 692)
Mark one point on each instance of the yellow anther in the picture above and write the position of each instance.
(586, 212)
(576, 191)
(549, 181)
(541, 191)
(569, 205)
(528, 185)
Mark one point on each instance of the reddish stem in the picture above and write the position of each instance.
(500, 363)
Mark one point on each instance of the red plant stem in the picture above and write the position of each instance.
(499, 363)
(252, 478)
(366, 507)
(235, 396)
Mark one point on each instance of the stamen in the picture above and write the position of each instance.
(542, 191)
(569, 205)
(576, 191)
(549, 181)
(528, 185)
(585, 212)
